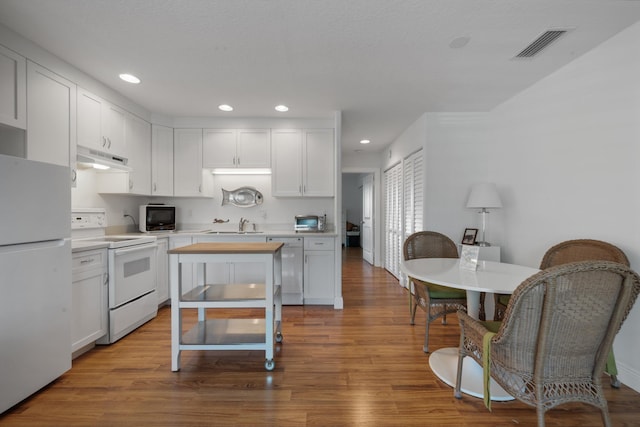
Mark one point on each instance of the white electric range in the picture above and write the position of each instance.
(131, 268)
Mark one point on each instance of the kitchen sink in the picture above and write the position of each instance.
(235, 232)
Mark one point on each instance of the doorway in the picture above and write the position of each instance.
(358, 213)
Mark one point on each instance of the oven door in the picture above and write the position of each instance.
(132, 273)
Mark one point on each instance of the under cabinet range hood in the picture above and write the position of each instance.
(100, 160)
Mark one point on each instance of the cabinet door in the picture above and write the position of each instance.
(51, 130)
(248, 272)
(161, 161)
(162, 266)
(286, 163)
(187, 163)
(253, 148)
(318, 163)
(89, 312)
(13, 85)
(138, 139)
(90, 121)
(319, 277)
(115, 132)
(89, 293)
(219, 148)
(229, 272)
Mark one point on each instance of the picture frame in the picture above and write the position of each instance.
(469, 236)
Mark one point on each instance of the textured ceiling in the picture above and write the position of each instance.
(382, 62)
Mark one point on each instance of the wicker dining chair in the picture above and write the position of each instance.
(573, 251)
(435, 300)
(566, 252)
(553, 344)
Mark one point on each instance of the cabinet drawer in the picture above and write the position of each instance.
(89, 259)
(318, 244)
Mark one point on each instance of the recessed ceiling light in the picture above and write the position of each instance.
(365, 141)
(282, 108)
(225, 107)
(129, 78)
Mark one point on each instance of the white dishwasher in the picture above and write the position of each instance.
(292, 268)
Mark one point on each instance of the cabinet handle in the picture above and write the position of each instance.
(104, 141)
(74, 175)
(305, 258)
(130, 184)
(87, 261)
(234, 160)
(300, 189)
(155, 188)
(106, 279)
(109, 139)
(238, 161)
(199, 188)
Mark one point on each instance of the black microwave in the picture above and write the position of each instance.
(157, 218)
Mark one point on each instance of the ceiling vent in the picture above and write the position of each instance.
(540, 43)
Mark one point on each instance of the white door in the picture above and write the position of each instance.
(366, 232)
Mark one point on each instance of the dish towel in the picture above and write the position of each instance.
(486, 365)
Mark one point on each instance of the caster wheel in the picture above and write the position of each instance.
(269, 365)
(279, 337)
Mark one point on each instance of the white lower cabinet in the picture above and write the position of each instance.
(319, 270)
(89, 298)
(162, 269)
(229, 272)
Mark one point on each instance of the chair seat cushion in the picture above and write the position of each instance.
(504, 299)
(441, 292)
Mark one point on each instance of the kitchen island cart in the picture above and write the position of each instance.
(227, 334)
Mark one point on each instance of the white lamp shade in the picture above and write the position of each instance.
(484, 195)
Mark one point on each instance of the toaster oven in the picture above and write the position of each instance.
(309, 223)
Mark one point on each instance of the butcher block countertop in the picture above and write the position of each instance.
(229, 248)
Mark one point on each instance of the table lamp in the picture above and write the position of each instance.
(484, 196)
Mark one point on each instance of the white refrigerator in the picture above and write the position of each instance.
(35, 276)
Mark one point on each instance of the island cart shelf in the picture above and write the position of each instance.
(227, 334)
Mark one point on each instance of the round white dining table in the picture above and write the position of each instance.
(489, 276)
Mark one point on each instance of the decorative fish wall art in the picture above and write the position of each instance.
(243, 197)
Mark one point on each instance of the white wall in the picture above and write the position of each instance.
(196, 213)
(573, 141)
(563, 154)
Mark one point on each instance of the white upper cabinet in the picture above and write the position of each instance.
(138, 141)
(190, 180)
(302, 163)
(318, 163)
(13, 89)
(236, 148)
(137, 137)
(286, 162)
(101, 125)
(51, 112)
(161, 161)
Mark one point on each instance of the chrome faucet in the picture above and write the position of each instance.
(243, 221)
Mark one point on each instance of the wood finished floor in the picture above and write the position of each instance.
(361, 366)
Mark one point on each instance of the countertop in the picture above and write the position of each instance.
(208, 232)
(86, 245)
